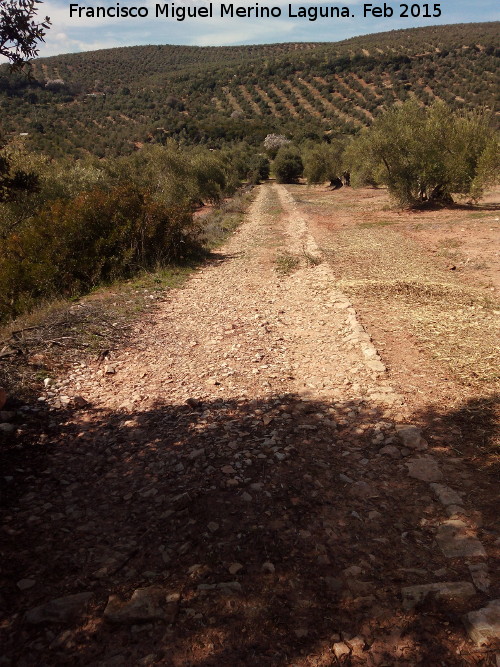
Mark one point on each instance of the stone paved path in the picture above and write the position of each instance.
(241, 486)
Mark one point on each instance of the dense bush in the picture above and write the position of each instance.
(258, 169)
(288, 166)
(93, 221)
(14, 182)
(323, 162)
(74, 244)
(209, 176)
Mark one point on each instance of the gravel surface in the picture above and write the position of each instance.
(239, 485)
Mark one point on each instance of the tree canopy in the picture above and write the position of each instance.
(288, 165)
(428, 154)
(20, 32)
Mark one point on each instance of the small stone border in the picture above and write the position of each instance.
(456, 537)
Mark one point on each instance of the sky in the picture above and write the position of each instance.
(71, 34)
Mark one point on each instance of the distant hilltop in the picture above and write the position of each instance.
(112, 101)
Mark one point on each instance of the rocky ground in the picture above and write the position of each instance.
(244, 484)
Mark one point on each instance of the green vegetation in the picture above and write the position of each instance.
(259, 170)
(288, 166)
(110, 152)
(112, 102)
(88, 222)
(19, 31)
(426, 155)
(287, 263)
(323, 162)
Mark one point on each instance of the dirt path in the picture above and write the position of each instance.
(235, 489)
(435, 322)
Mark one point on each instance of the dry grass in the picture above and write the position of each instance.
(286, 263)
(61, 333)
(437, 327)
(454, 323)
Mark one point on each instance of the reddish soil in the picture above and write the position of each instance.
(239, 458)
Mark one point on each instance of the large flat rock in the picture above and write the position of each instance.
(59, 610)
(445, 495)
(457, 540)
(483, 625)
(424, 468)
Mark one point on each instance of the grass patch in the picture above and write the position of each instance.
(286, 263)
(480, 216)
(59, 334)
(370, 225)
(453, 324)
(219, 224)
(449, 243)
(450, 321)
(274, 211)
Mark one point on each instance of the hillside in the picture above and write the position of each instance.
(109, 102)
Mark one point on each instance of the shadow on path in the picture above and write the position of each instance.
(277, 522)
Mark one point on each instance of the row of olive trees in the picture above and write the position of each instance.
(317, 162)
(422, 154)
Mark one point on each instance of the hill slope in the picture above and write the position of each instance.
(108, 102)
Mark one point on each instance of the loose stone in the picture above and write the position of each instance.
(480, 576)
(268, 567)
(424, 468)
(146, 604)
(456, 541)
(60, 610)
(390, 450)
(340, 650)
(459, 590)
(411, 437)
(362, 490)
(446, 495)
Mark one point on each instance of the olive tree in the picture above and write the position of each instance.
(259, 169)
(323, 162)
(428, 154)
(287, 165)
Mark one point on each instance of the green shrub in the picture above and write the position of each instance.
(323, 162)
(89, 221)
(210, 178)
(259, 169)
(288, 166)
(72, 245)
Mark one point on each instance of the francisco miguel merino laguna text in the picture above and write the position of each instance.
(182, 12)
